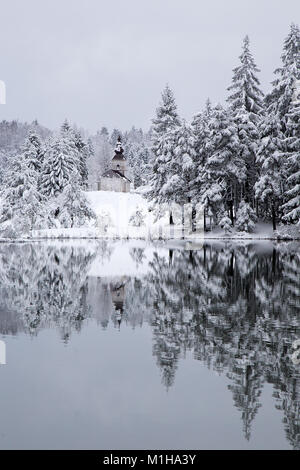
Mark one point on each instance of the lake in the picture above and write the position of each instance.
(133, 345)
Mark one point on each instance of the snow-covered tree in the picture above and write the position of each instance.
(291, 206)
(224, 166)
(200, 126)
(245, 218)
(277, 133)
(138, 156)
(212, 198)
(101, 151)
(137, 219)
(281, 96)
(60, 163)
(269, 186)
(3, 164)
(177, 188)
(13, 134)
(22, 203)
(246, 108)
(166, 121)
(74, 208)
(166, 115)
(134, 135)
(81, 147)
(226, 224)
(245, 90)
(33, 150)
(84, 152)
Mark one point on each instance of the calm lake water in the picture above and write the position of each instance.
(115, 345)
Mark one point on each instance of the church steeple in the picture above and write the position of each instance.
(119, 161)
(119, 149)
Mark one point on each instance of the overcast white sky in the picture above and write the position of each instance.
(105, 62)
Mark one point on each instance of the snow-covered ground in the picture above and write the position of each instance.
(262, 231)
(114, 210)
(119, 215)
(129, 215)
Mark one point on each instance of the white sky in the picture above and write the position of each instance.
(105, 62)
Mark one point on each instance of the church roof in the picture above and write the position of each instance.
(119, 156)
(114, 174)
(119, 151)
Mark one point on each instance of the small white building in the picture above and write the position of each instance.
(115, 179)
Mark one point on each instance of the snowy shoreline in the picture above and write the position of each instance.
(149, 240)
(129, 216)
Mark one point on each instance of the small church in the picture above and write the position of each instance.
(115, 179)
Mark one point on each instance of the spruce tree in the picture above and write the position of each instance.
(246, 93)
(164, 124)
(33, 150)
(226, 224)
(281, 97)
(291, 206)
(178, 186)
(276, 133)
(224, 167)
(138, 157)
(245, 217)
(246, 107)
(22, 203)
(81, 147)
(269, 186)
(75, 210)
(200, 127)
(199, 185)
(166, 115)
(100, 153)
(83, 150)
(60, 163)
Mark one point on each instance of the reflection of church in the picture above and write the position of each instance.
(118, 293)
(108, 296)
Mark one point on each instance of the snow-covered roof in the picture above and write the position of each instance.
(119, 156)
(114, 174)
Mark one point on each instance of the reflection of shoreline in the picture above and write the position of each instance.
(31, 274)
(236, 308)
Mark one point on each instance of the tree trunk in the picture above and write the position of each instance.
(274, 261)
(194, 212)
(273, 217)
(230, 203)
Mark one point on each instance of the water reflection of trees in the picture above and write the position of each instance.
(235, 308)
(238, 312)
(45, 286)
